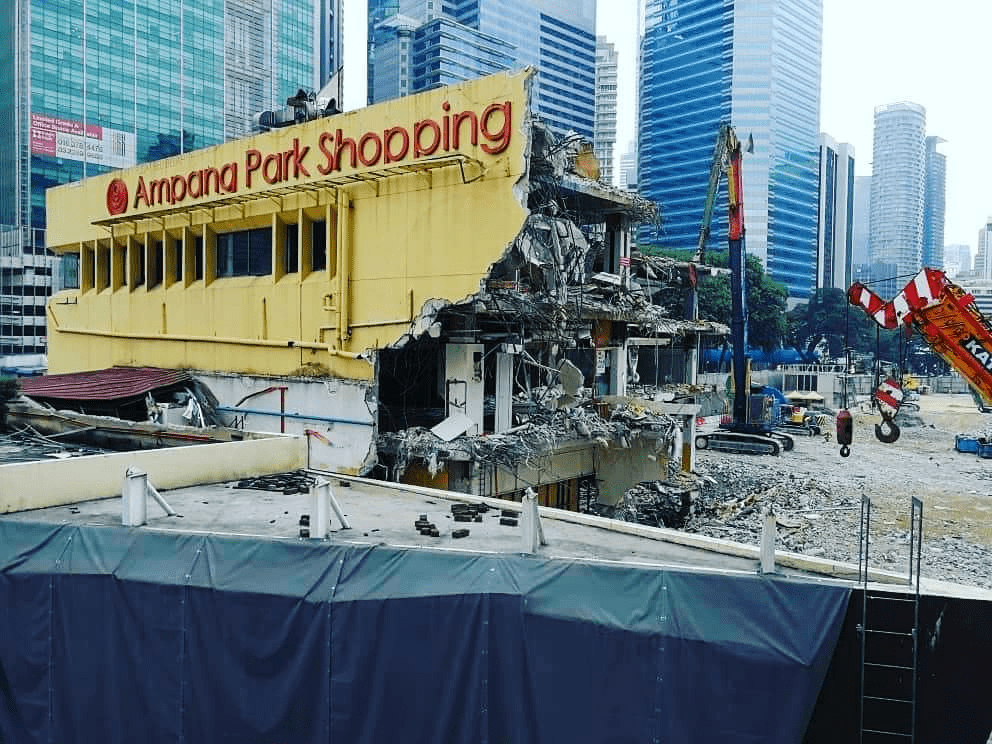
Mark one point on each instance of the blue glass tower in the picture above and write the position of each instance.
(91, 87)
(756, 64)
(558, 37)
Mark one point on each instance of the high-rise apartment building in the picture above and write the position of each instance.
(756, 65)
(471, 38)
(835, 214)
(88, 87)
(934, 204)
(898, 189)
(605, 137)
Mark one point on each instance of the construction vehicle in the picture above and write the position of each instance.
(753, 418)
(947, 318)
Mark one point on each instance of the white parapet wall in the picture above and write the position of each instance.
(40, 484)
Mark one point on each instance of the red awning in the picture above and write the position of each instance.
(103, 384)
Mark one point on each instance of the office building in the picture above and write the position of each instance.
(983, 258)
(934, 204)
(860, 224)
(87, 88)
(606, 107)
(898, 189)
(467, 39)
(957, 259)
(628, 167)
(835, 214)
(705, 62)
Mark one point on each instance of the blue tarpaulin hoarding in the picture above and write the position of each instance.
(118, 635)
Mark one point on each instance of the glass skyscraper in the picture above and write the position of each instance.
(756, 65)
(934, 203)
(88, 87)
(478, 37)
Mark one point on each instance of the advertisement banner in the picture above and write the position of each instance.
(72, 140)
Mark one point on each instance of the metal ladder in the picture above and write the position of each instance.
(889, 642)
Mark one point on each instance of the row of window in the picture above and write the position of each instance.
(240, 253)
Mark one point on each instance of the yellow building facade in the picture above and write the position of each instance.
(295, 250)
(395, 282)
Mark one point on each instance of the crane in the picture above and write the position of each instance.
(947, 318)
(753, 417)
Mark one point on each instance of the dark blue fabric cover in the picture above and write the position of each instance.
(116, 635)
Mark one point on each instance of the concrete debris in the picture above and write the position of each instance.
(28, 445)
(298, 481)
(554, 248)
(528, 443)
(658, 504)
(732, 494)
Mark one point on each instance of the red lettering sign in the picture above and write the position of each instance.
(490, 130)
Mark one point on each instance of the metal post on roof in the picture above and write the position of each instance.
(768, 530)
(134, 496)
(531, 529)
(324, 502)
(135, 507)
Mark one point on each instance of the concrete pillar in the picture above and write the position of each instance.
(688, 453)
(504, 391)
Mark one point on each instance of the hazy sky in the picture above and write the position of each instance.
(877, 52)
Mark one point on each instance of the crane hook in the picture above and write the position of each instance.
(887, 437)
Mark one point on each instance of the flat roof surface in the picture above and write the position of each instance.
(385, 514)
(382, 513)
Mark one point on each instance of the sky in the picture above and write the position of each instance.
(877, 52)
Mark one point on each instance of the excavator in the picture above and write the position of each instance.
(751, 428)
(948, 319)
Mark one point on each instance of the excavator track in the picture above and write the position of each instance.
(748, 444)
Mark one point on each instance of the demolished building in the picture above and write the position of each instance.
(437, 287)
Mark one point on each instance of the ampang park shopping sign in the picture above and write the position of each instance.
(488, 129)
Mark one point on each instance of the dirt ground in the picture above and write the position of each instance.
(819, 492)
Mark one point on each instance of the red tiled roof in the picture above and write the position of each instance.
(103, 384)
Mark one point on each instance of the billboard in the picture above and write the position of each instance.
(73, 140)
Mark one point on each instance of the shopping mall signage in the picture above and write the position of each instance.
(326, 153)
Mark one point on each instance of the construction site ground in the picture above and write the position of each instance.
(817, 494)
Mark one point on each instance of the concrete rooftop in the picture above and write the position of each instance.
(384, 513)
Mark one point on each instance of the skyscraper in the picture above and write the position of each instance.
(485, 36)
(628, 167)
(606, 107)
(957, 259)
(983, 258)
(933, 205)
(755, 64)
(90, 87)
(835, 215)
(859, 228)
(898, 188)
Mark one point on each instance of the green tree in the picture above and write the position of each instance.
(766, 299)
(828, 318)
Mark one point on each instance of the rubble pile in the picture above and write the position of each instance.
(668, 503)
(812, 517)
(530, 442)
(28, 445)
